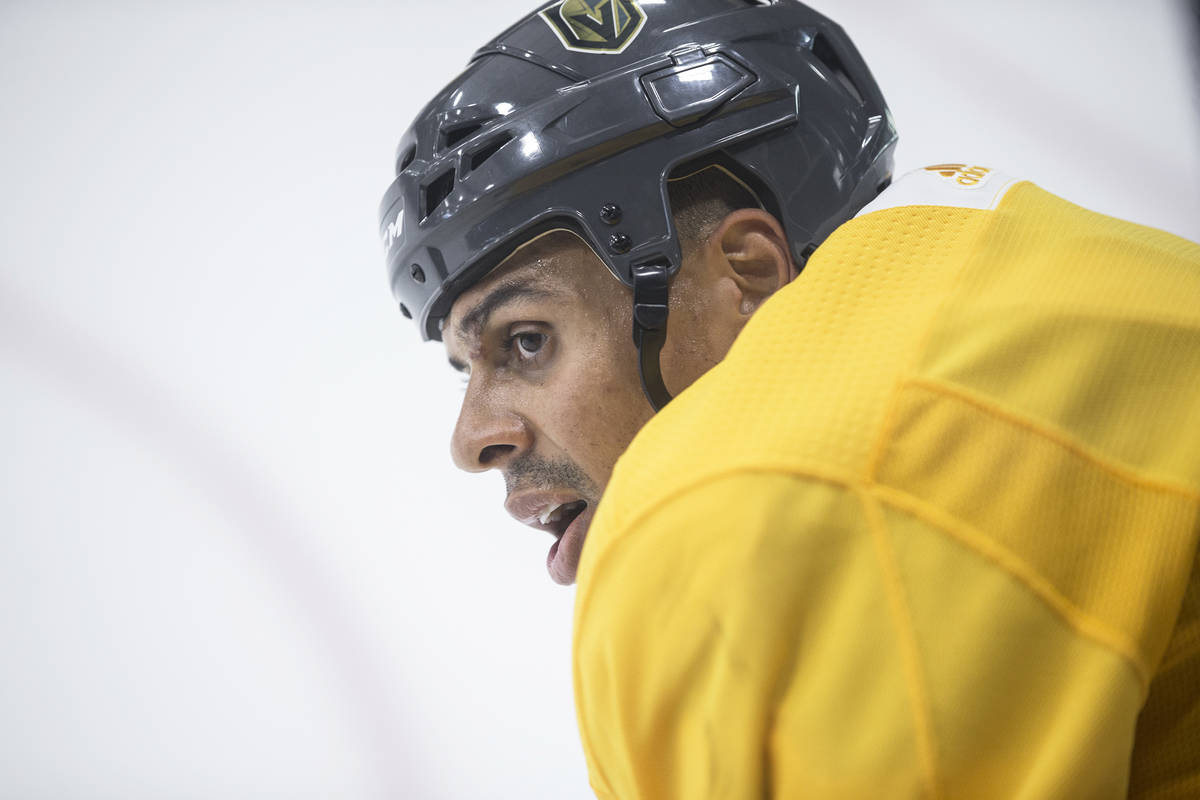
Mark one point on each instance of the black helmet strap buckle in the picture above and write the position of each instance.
(650, 293)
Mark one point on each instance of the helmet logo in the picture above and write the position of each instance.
(393, 231)
(603, 26)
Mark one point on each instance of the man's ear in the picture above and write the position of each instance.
(754, 253)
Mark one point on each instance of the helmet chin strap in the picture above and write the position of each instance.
(650, 283)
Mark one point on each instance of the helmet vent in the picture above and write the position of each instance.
(436, 192)
(409, 155)
(823, 50)
(452, 137)
(488, 150)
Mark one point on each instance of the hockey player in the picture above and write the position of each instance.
(921, 517)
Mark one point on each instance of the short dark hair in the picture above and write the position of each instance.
(702, 198)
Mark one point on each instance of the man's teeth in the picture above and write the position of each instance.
(550, 514)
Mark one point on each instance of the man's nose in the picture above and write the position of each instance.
(487, 437)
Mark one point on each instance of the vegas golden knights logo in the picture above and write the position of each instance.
(603, 26)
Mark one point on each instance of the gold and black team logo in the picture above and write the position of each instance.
(604, 26)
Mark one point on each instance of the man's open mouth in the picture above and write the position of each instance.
(564, 515)
(557, 518)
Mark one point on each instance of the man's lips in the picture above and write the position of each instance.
(531, 507)
(527, 507)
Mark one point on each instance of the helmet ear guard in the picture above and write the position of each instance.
(650, 308)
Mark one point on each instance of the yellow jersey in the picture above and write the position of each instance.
(929, 529)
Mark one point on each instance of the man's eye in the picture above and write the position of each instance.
(528, 344)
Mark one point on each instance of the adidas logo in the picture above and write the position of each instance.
(961, 174)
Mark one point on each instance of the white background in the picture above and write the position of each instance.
(235, 560)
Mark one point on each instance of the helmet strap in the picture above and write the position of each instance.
(650, 292)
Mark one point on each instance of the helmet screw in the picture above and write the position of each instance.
(418, 274)
(610, 213)
(619, 243)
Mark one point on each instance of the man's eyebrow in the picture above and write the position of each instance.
(476, 320)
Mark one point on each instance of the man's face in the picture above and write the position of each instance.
(553, 397)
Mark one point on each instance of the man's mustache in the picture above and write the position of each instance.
(531, 470)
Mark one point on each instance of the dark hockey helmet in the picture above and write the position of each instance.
(576, 115)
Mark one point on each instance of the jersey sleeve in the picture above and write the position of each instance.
(772, 635)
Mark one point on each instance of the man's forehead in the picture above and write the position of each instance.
(524, 271)
(548, 264)
(520, 280)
